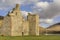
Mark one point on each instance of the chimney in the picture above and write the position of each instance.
(17, 7)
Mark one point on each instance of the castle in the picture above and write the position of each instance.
(14, 24)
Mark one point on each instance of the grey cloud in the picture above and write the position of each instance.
(51, 11)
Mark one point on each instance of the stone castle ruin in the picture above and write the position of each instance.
(15, 25)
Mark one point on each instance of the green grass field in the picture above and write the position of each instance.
(56, 37)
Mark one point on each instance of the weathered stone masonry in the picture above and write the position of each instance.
(15, 25)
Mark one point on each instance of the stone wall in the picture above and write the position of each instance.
(6, 29)
(1, 20)
(25, 28)
(33, 24)
(16, 23)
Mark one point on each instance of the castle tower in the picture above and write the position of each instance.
(17, 7)
(33, 20)
(16, 22)
(12, 25)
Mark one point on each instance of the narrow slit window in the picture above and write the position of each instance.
(16, 13)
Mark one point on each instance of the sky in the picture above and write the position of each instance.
(48, 10)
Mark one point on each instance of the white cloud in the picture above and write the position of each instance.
(48, 21)
(57, 1)
(24, 13)
(42, 4)
(3, 0)
(49, 10)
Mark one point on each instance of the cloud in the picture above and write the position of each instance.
(1, 8)
(42, 4)
(9, 3)
(3, 0)
(47, 21)
(44, 9)
(57, 1)
(48, 10)
(25, 13)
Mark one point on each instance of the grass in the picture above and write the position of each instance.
(43, 37)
